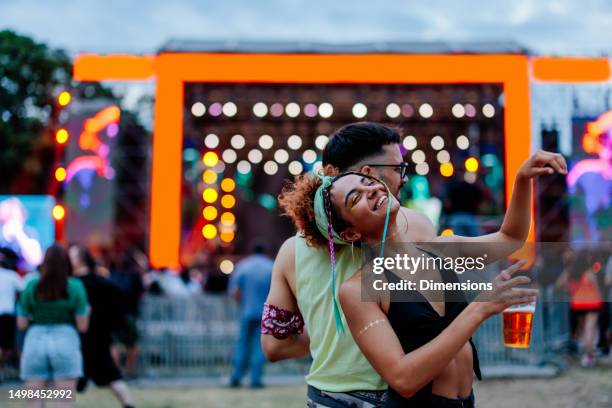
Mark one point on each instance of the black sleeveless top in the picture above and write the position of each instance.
(416, 323)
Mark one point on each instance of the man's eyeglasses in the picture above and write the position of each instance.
(403, 168)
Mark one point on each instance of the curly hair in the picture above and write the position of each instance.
(296, 201)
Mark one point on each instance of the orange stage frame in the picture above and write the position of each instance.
(172, 70)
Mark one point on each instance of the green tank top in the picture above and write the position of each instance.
(337, 363)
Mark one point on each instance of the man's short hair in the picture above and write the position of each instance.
(354, 142)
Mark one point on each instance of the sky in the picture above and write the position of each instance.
(569, 27)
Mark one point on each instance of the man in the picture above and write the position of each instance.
(339, 376)
(249, 285)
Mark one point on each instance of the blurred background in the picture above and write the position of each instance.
(76, 167)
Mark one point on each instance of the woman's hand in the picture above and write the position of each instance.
(505, 292)
(542, 162)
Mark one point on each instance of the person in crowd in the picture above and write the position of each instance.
(10, 286)
(191, 278)
(53, 308)
(249, 285)
(107, 314)
(216, 282)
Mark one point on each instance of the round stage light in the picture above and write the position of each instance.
(229, 156)
(294, 142)
(61, 136)
(228, 185)
(471, 164)
(260, 109)
(243, 167)
(292, 110)
(227, 236)
(226, 266)
(210, 159)
(393, 110)
(60, 174)
(228, 201)
(422, 169)
(407, 111)
(219, 167)
(228, 219)
(410, 142)
(469, 177)
(210, 195)
(359, 110)
(266, 141)
(64, 98)
(426, 111)
(437, 142)
(209, 213)
(446, 169)
(255, 156)
(309, 156)
(295, 168)
(230, 109)
(209, 231)
(470, 110)
(488, 110)
(276, 110)
(463, 142)
(443, 156)
(447, 231)
(418, 156)
(209, 176)
(237, 142)
(458, 110)
(270, 167)
(317, 167)
(215, 109)
(211, 141)
(281, 156)
(58, 212)
(321, 141)
(310, 110)
(326, 110)
(198, 109)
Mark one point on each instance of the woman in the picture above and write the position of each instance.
(434, 367)
(53, 307)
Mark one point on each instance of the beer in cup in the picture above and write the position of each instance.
(517, 324)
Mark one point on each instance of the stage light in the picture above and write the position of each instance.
(443, 156)
(276, 110)
(393, 110)
(437, 142)
(243, 167)
(209, 231)
(410, 142)
(64, 98)
(292, 109)
(260, 109)
(226, 266)
(326, 110)
(463, 142)
(321, 141)
(447, 231)
(190, 154)
(230, 109)
(407, 110)
(228, 201)
(209, 213)
(210, 159)
(228, 185)
(227, 236)
(317, 167)
(310, 110)
(229, 156)
(267, 201)
(255, 156)
(270, 167)
(446, 169)
(215, 109)
(60, 174)
(470, 110)
(422, 169)
(58, 212)
(198, 109)
(418, 156)
(219, 167)
(295, 168)
(211, 141)
(488, 110)
(209, 176)
(458, 110)
(228, 219)
(360, 110)
(237, 142)
(471, 164)
(309, 156)
(281, 156)
(426, 111)
(210, 195)
(266, 141)
(469, 177)
(61, 136)
(294, 142)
